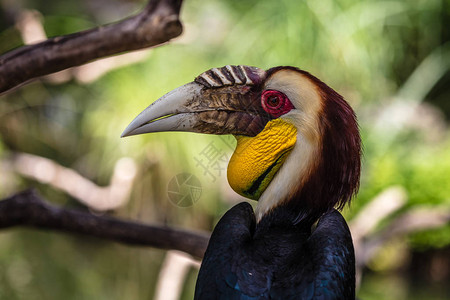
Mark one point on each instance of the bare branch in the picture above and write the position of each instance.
(172, 275)
(367, 241)
(155, 25)
(32, 31)
(385, 203)
(30, 26)
(28, 209)
(87, 192)
(413, 221)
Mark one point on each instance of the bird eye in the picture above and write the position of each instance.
(275, 103)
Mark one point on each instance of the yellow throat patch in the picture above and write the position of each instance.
(257, 159)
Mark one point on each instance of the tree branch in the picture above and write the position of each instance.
(98, 198)
(415, 220)
(28, 209)
(155, 25)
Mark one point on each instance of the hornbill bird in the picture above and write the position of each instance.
(298, 153)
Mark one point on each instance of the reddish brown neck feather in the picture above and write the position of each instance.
(335, 178)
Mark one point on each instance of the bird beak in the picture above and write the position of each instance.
(219, 101)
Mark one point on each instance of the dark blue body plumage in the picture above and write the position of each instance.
(276, 259)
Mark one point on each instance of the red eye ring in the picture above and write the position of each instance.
(275, 103)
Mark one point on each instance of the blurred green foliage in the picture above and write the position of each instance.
(384, 57)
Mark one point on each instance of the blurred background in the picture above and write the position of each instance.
(61, 135)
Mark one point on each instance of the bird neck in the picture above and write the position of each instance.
(282, 222)
(290, 178)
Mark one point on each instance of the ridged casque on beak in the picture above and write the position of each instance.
(220, 101)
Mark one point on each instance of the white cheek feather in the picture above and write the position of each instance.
(308, 105)
(289, 177)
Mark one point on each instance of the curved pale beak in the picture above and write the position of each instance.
(231, 109)
(171, 112)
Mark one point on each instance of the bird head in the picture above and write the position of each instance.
(298, 142)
